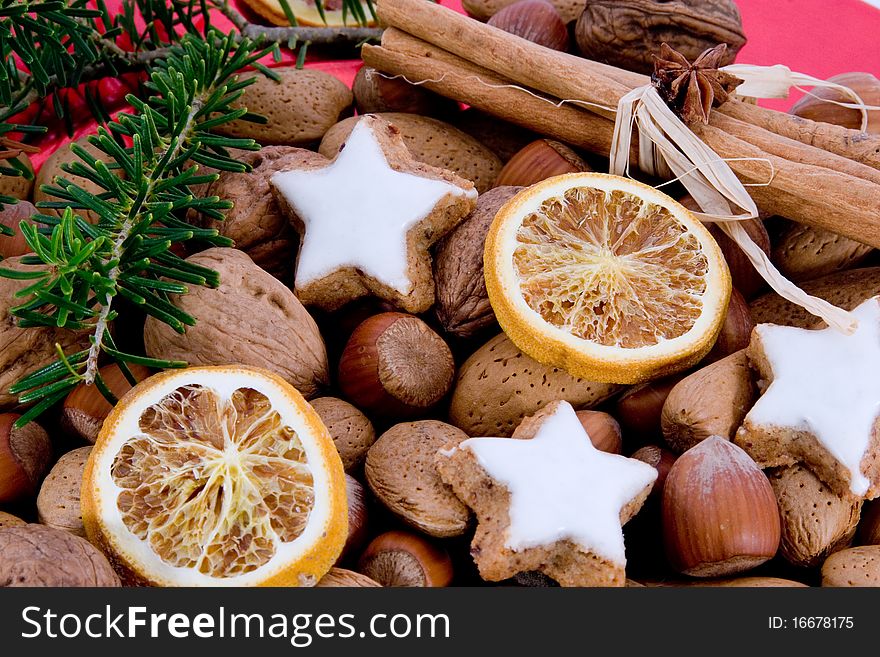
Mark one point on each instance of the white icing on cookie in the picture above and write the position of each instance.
(561, 487)
(826, 383)
(357, 212)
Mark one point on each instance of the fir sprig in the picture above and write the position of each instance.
(142, 206)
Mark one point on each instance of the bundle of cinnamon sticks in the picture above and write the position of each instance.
(822, 175)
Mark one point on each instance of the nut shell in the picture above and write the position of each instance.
(9, 520)
(34, 555)
(463, 307)
(58, 504)
(395, 366)
(24, 458)
(11, 216)
(864, 84)
(858, 566)
(719, 512)
(85, 408)
(401, 473)
(377, 92)
(603, 430)
(351, 430)
(537, 161)
(710, 402)
(23, 350)
(804, 252)
(342, 578)
(569, 10)
(398, 558)
(869, 525)
(625, 33)
(736, 330)
(18, 186)
(535, 20)
(300, 107)
(520, 386)
(251, 319)
(638, 409)
(815, 521)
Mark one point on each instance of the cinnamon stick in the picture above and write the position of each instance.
(809, 194)
(802, 191)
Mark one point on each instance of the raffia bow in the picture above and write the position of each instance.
(668, 148)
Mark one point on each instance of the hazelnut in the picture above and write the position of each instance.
(736, 330)
(535, 20)
(537, 161)
(11, 216)
(376, 92)
(603, 430)
(719, 512)
(394, 365)
(85, 408)
(661, 460)
(351, 431)
(864, 84)
(24, 457)
(398, 558)
(638, 409)
(357, 516)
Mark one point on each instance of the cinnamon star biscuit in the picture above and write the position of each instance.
(367, 219)
(821, 402)
(547, 500)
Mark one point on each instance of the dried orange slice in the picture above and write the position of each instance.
(306, 13)
(605, 277)
(216, 476)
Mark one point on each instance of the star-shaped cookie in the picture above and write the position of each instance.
(367, 218)
(547, 500)
(821, 402)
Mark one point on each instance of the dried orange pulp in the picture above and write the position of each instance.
(605, 277)
(214, 476)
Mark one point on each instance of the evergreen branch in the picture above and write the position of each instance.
(126, 254)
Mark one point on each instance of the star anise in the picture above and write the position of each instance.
(691, 90)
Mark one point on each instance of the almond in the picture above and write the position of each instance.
(815, 521)
(351, 430)
(710, 402)
(58, 501)
(340, 577)
(9, 520)
(499, 385)
(52, 168)
(431, 142)
(463, 307)
(846, 289)
(401, 473)
(804, 252)
(17, 186)
(300, 107)
(858, 566)
(251, 319)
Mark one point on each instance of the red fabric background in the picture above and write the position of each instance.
(817, 37)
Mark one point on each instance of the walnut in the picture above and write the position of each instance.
(23, 350)
(255, 223)
(34, 555)
(462, 301)
(250, 319)
(626, 33)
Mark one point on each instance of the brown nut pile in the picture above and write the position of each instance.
(394, 388)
